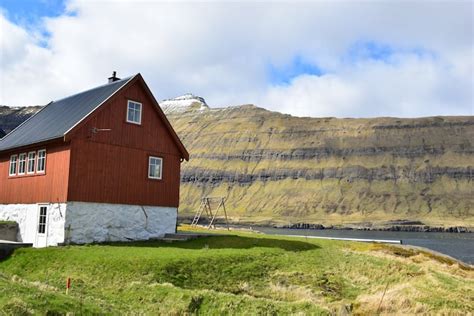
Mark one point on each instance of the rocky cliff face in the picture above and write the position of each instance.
(276, 167)
(11, 117)
(184, 103)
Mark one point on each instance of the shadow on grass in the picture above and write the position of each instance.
(224, 242)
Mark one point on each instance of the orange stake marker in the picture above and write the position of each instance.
(68, 285)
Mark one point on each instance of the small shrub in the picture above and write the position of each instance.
(16, 307)
(331, 286)
(195, 303)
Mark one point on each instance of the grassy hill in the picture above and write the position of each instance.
(242, 273)
(273, 167)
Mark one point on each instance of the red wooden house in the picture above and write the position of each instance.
(100, 165)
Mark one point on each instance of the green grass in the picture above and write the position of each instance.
(18, 297)
(238, 274)
(2, 222)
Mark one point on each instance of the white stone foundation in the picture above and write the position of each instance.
(26, 215)
(82, 222)
(99, 222)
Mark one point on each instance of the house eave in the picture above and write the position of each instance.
(58, 139)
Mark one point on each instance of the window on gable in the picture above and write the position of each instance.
(31, 162)
(134, 112)
(155, 165)
(21, 164)
(41, 167)
(13, 164)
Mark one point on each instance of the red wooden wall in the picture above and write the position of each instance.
(112, 166)
(52, 186)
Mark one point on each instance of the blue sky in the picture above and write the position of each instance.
(370, 50)
(306, 58)
(297, 66)
(30, 12)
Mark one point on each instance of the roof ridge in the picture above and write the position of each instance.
(98, 106)
(98, 87)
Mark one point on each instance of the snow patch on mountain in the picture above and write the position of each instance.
(184, 103)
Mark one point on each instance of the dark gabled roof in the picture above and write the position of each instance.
(2, 133)
(58, 117)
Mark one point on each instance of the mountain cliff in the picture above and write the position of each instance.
(273, 167)
(278, 168)
(184, 103)
(11, 117)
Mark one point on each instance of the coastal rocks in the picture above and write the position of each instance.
(369, 227)
(403, 226)
(302, 226)
(424, 229)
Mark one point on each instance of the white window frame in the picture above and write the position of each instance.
(130, 102)
(13, 159)
(160, 177)
(29, 162)
(44, 225)
(38, 170)
(21, 163)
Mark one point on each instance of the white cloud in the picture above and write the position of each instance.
(309, 95)
(221, 51)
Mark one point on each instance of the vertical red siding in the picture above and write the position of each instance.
(112, 166)
(49, 187)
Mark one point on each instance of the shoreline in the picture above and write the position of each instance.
(395, 226)
(440, 256)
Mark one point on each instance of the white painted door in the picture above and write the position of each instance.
(42, 226)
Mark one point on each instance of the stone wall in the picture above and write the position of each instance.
(26, 215)
(101, 222)
(9, 231)
(81, 222)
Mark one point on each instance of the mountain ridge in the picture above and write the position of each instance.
(274, 167)
(183, 103)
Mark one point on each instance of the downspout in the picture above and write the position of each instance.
(146, 216)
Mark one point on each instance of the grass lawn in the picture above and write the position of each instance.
(244, 273)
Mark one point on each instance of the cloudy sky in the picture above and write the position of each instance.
(316, 58)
